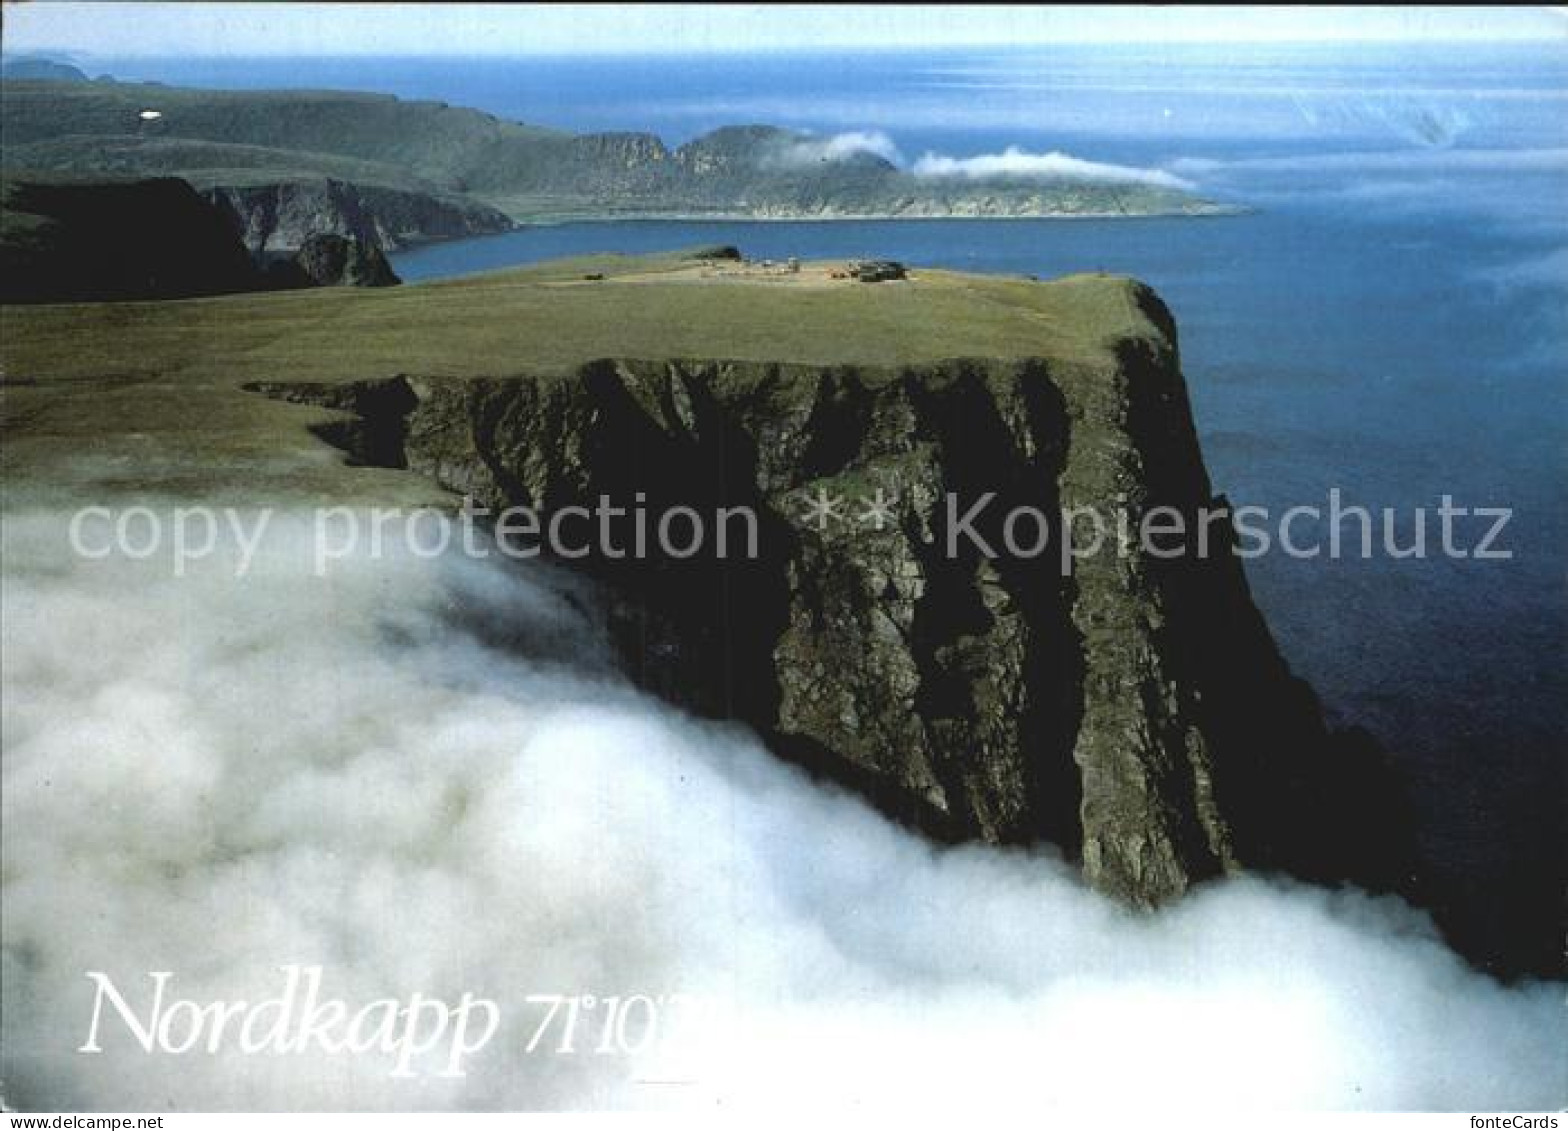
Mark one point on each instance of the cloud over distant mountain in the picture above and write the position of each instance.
(1015, 162)
(844, 146)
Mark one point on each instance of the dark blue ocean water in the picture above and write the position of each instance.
(1390, 320)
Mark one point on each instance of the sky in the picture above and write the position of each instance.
(122, 29)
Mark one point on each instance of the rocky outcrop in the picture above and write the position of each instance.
(330, 260)
(1131, 709)
(623, 150)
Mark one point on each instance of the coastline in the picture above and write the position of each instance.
(551, 219)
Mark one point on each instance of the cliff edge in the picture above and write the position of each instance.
(1127, 706)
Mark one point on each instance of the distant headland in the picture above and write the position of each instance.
(294, 161)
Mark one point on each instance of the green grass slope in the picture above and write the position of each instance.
(148, 396)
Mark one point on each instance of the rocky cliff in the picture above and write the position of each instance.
(768, 172)
(142, 239)
(326, 259)
(1131, 709)
(150, 239)
(281, 216)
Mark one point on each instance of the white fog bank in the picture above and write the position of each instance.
(217, 777)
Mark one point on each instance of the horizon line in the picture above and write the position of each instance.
(67, 54)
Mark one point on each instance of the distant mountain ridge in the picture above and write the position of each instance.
(220, 139)
(36, 67)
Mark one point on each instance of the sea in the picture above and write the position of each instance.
(1386, 317)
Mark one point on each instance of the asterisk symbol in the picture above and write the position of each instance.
(822, 509)
(879, 509)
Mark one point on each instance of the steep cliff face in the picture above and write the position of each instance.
(329, 260)
(280, 217)
(65, 242)
(152, 239)
(1131, 709)
(769, 172)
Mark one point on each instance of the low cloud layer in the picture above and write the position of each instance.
(215, 778)
(1015, 162)
(843, 147)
